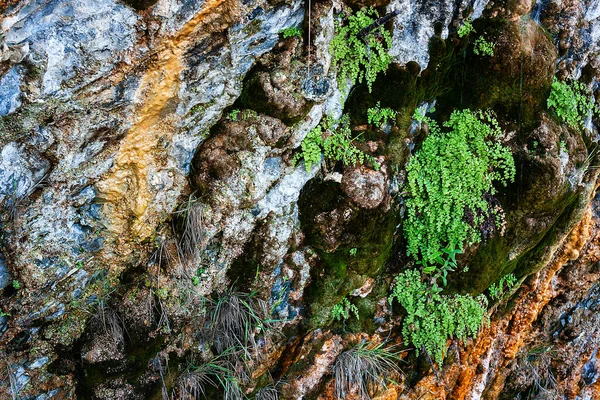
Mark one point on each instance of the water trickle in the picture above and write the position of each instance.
(538, 9)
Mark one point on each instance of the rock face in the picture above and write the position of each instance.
(150, 173)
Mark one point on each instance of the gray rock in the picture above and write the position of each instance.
(75, 38)
(20, 171)
(10, 91)
(415, 25)
(5, 277)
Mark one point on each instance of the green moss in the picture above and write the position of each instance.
(512, 83)
(253, 27)
(494, 258)
(340, 272)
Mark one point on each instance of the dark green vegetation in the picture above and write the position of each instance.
(340, 272)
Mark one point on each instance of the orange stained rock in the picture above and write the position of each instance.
(126, 188)
(506, 335)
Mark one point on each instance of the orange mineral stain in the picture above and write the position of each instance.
(126, 190)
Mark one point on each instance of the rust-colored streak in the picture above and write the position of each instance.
(126, 189)
(514, 328)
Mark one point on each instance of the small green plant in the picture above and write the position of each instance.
(337, 144)
(465, 28)
(379, 116)
(498, 289)
(483, 47)
(233, 115)
(563, 146)
(571, 101)
(195, 281)
(445, 261)
(353, 251)
(248, 114)
(343, 309)
(4, 314)
(16, 284)
(448, 180)
(162, 293)
(291, 32)
(360, 55)
(433, 318)
(365, 369)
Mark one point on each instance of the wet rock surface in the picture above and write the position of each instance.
(150, 178)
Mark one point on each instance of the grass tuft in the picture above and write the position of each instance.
(365, 369)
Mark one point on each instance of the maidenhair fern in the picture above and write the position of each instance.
(343, 310)
(497, 289)
(571, 101)
(360, 55)
(433, 318)
(448, 179)
(380, 116)
(335, 141)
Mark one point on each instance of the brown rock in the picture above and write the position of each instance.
(364, 186)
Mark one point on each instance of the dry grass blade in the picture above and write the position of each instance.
(539, 364)
(218, 372)
(110, 321)
(192, 231)
(192, 385)
(235, 318)
(12, 382)
(364, 369)
(269, 392)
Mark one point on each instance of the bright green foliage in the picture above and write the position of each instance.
(498, 289)
(337, 145)
(563, 146)
(483, 47)
(233, 115)
(465, 29)
(353, 251)
(448, 178)
(343, 309)
(433, 318)
(16, 284)
(360, 58)
(311, 148)
(379, 116)
(442, 265)
(291, 32)
(571, 102)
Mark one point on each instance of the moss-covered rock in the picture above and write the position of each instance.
(543, 200)
(353, 245)
(515, 81)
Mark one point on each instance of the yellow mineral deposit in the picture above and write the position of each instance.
(126, 190)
